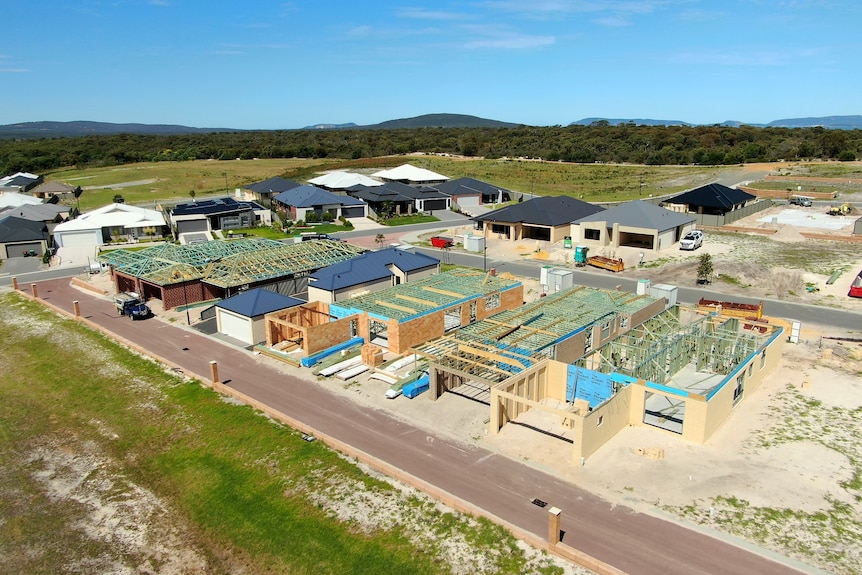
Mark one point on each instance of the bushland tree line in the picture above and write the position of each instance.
(600, 142)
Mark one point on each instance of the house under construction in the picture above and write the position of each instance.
(563, 327)
(184, 274)
(399, 317)
(681, 372)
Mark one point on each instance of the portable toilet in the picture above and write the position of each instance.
(581, 255)
(643, 287)
(567, 242)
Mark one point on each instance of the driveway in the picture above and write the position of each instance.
(20, 266)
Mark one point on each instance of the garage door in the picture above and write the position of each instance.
(434, 205)
(77, 239)
(186, 226)
(465, 201)
(353, 212)
(235, 326)
(18, 250)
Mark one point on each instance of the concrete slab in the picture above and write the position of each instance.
(808, 219)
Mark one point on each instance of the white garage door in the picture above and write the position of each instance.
(77, 239)
(465, 201)
(235, 326)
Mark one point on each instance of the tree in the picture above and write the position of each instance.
(119, 199)
(379, 239)
(192, 193)
(704, 269)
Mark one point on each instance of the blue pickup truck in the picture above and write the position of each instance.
(130, 304)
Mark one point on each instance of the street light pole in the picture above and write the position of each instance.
(186, 299)
(484, 257)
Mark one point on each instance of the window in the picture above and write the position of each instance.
(472, 311)
(740, 388)
(762, 358)
(354, 327)
(624, 322)
(750, 368)
(452, 319)
(606, 330)
(592, 234)
(492, 301)
(588, 340)
(600, 420)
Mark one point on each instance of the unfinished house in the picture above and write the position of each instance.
(399, 317)
(180, 275)
(680, 372)
(564, 327)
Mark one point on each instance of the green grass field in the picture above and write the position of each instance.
(172, 181)
(150, 183)
(85, 455)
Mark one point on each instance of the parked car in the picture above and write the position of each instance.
(130, 304)
(691, 241)
(311, 236)
(801, 201)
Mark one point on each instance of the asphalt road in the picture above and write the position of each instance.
(634, 542)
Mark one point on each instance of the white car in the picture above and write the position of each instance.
(691, 241)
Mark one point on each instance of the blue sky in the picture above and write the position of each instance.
(274, 65)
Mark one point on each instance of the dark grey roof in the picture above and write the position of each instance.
(308, 196)
(376, 194)
(640, 214)
(465, 186)
(712, 196)
(15, 229)
(273, 185)
(414, 192)
(215, 206)
(35, 212)
(259, 301)
(369, 267)
(543, 210)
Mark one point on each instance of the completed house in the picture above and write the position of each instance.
(634, 224)
(546, 218)
(264, 190)
(207, 216)
(714, 199)
(114, 221)
(21, 182)
(21, 237)
(412, 175)
(369, 272)
(341, 181)
(468, 192)
(298, 202)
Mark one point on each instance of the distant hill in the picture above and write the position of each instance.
(441, 121)
(425, 121)
(32, 130)
(831, 122)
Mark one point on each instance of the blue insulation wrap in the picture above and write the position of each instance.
(413, 389)
(312, 359)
